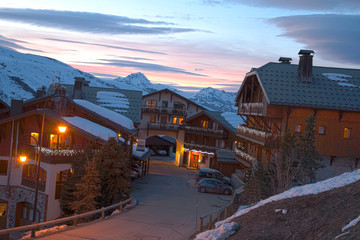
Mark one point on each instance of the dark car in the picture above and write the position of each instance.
(213, 186)
(212, 173)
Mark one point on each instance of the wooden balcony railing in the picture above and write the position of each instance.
(163, 126)
(251, 109)
(244, 158)
(204, 148)
(205, 131)
(173, 111)
(264, 138)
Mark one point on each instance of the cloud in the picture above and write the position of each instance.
(88, 22)
(12, 43)
(334, 37)
(145, 66)
(317, 5)
(105, 45)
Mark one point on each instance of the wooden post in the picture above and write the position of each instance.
(75, 222)
(218, 216)
(201, 224)
(210, 221)
(103, 215)
(121, 207)
(226, 212)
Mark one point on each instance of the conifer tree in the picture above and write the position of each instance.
(113, 165)
(87, 190)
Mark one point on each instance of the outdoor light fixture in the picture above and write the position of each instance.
(62, 129)
(23, 158)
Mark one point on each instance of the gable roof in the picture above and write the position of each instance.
(217, 116)
(176, 94)
(331, 88)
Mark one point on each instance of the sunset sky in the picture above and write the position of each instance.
(189, 44)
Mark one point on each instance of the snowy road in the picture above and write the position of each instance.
(166, 210)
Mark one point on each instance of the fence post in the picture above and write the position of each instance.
(201, 224)
(210, 221)
(218, 215)
(75, 222)
(121, 207)
(102, 214)
(226, 212)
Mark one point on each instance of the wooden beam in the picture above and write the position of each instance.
(315, 112)
(341, 113)
(252, 89)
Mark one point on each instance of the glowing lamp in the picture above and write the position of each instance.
(62, 129)
(23, 158)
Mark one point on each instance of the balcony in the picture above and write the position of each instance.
(204, 148)
(244, 158)
(255, 109)
(205, 131)
(163, 126)
(162, 110)
(263, 138)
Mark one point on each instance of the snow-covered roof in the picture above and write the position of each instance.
(91, 127)
(106, 113)
(141, 155)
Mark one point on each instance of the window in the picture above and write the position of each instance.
(203, 160)
(204, 123)
(215, 125)
(164, 104)
(347, 132)
(153, 118)
(62, 141)
(179, 105)
(61, 178)
(175, 120)
(298, 128)
(32, 140)
(29, 172)
(53, 140)
(151, 103)
(321, 130)
(3, 167)
(163, 119)
(181, 120)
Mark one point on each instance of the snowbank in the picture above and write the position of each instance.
(45, 232)
(220, 233)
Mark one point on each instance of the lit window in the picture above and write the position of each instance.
(321, 130)
(153, 118)
(204, 124)
(347, 132)
(151, 103)
(174, 120)
(34, 135)
(181, 120)
(53, 141)
(298, 128)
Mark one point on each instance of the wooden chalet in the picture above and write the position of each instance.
(279, 97)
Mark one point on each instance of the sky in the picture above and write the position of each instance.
(187, 44)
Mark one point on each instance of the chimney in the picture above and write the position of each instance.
(40, 92)
(305, 65)
(16, 107)
(60, 102)
(285, 60)
(79, 82)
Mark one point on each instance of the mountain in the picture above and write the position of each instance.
(22, 74)
(215, 99)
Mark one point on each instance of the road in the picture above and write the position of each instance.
(169, 208)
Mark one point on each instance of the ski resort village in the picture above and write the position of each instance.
(258, 141)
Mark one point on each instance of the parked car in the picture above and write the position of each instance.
(213, 186)
(212, 173)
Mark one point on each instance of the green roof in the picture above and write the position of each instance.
(331, 88)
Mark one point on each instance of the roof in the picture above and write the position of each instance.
(124, 101)
(176, 94)
(217, 116)
(331, 88)
(140, 155)
(225, 156)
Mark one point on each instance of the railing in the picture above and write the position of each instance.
(164, 110)
(163, 126)
(205, 131)
(261, 137)
(251, 108)
(244, 158)
(222, 213)
(204, 148)
(74, 218)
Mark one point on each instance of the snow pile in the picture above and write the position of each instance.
(45, 231)
(232, 118)
(137, 153)
(223, 232)
(315, 188)
(91, 127)
(341, 79)
(113, 100)
(106, 113)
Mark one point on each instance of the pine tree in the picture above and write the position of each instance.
(113, 165)
(87, 190)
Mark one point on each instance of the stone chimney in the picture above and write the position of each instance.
(16, 107)
(79, 82)
(40, 92)
(285, 60)
(60, 102)
(305, 65)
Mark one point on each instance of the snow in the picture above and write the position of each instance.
(337, 76)
(138, 153)
(223, 232)
(45, 232)
(315, 188)
(346, 84)
(352, 223)
(91, 127)
(113, 100)
(232, 118)
(106, 113)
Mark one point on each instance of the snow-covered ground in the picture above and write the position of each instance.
(222, 231)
